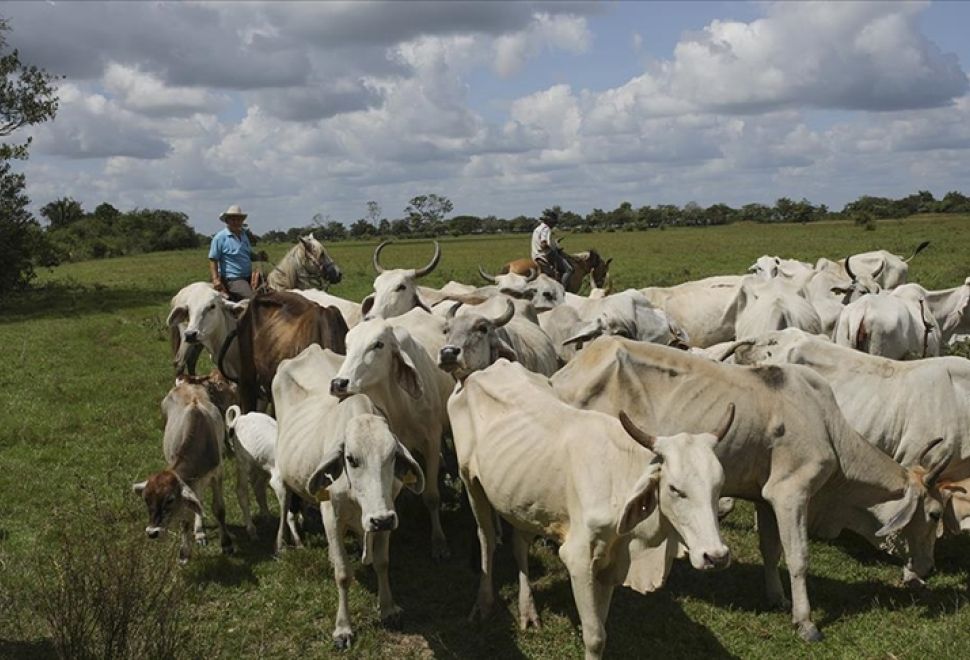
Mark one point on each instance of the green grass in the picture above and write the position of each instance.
(87, 363)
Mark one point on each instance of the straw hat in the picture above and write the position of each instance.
(232, 211)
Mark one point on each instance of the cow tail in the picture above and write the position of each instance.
(222, 354)
(919, 248)
(862, 337)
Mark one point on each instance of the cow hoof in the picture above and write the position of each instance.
(480, 612)
(252, 533)
(200, 539)
(527, 619)
(779, 603)
(229, 549)
(343, 641)
(183, 561)
(392, 618)
(809, 632)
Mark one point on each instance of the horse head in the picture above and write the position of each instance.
(317, 260)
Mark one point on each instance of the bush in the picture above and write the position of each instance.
(106, 592)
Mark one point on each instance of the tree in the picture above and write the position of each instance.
(27, 97)
(62, 212)
(425, 212)
(361, 228)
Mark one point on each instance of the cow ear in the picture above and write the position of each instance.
(501, 349)
(406, 374)
(589, 331)
(329, 470)
(236, 309)
(642, 501)
(903, 514)
(139, 488)
(407, 470)
(959, 311)
(191, 500)
(366, 305)
(177, 315)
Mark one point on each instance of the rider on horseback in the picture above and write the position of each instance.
(546, 251)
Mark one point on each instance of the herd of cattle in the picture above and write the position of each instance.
(785, 387)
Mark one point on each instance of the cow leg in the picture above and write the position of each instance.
(219, 508)
(486, 541)
(259, 480)
(592, 596)
(390, 612)
(791, 513)
(527, 606)
(343, 634)
(242, 494)
(770, 544)
(185, 547)
(432, 500)
(284, 497)
(199, 528)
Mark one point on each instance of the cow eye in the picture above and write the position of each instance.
(935, 516)
(482, 329)
(170, 500)
(400, 287)
(211, 306)
(676, 491)
(352, 461)
(378, 345)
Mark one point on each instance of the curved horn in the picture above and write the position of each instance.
(849, 270)
(732, 349)
(486, 276)
(377, 257)
(725, 423)
(507, 316)
(450, 314)
(533, 274)
(421, 272)
(876, 272)
(926, 450)
(641, 437)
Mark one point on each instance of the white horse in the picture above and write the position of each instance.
(306, 266)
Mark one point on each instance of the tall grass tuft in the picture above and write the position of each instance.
(105, 592)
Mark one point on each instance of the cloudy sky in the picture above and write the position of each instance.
(504, 107)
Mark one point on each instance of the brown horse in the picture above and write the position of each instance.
(584, 263)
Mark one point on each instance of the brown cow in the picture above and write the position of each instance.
(277, 326)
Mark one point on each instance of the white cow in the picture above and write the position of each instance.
(948, 306)
(776, 304)
(791, 452)
(768, 267)
(192, 445)
(342, 454)
(476, 339)
(618, 503)
(888, 269)
(396, 290)
(400, 377)
(253, 438)
(625, 314)
(895, 327)
(897, 406)
(705, 309)
(201, 317)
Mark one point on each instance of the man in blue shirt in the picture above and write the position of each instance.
(231, 257)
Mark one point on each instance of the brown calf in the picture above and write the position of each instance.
(192, 446)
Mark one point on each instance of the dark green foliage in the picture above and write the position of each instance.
(109, 233)
(22, 243)
(27, 97)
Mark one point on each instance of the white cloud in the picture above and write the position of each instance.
(551, 32)
(147, 94)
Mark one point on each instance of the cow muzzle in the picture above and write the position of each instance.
(715, 559)
(338, 387)
(191, 336)
(382, 523)
(448, 358)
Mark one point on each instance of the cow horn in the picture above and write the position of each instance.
(450, 314)
(876, 272)
(377, 257)
(486, 276)
(725, 423)
(641, 437)
(533, 274)
(421, 272)
(848, 270)
(926, 450)
(507, 316)
(733, 348)
(935, 470)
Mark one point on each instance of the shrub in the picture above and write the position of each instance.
(105, 592)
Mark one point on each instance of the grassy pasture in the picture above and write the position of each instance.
(87, 363)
